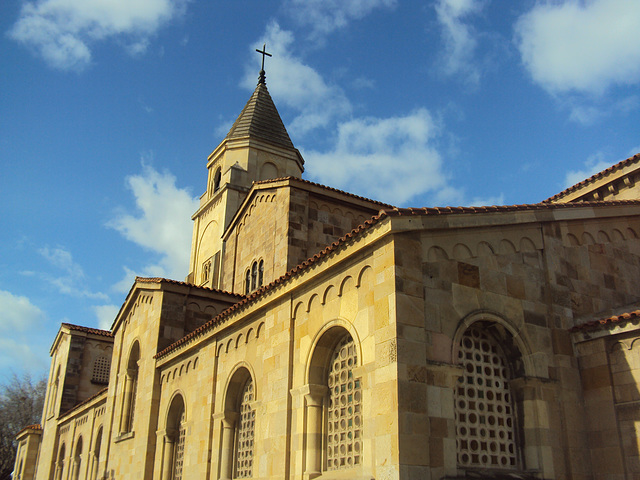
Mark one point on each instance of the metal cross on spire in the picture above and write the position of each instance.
(264, 53)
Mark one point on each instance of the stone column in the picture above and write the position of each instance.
(314, 401)
(228, 430)
(167, 461)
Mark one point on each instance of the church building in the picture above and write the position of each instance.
(322, 335)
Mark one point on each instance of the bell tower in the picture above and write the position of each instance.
(256, 148)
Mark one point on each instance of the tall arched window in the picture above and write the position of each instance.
(130, 390)
(95, 461)
(216, 179)
(238, 427)
(333, 405)
(77, 460)
(484, 411)
(260, 273)
(178, 453)
(254, 276)
(344, 411)
(53, 396)
(60, 463)
(247, 283)
(245, 428)
(174, 440)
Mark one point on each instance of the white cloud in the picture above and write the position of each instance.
(10, 350)
(459, 38)
(594, 164)
(297, 85)
(162, 223)
(18, 313)
(581, 46)
(324, 16)
(106, 314)
(64, 31)
(367, 150)
(73, 283)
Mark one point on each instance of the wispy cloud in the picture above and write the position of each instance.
(19, 317)
(594, 164)
(321, 17)
(73, 281)
(64, 32)
(18, 313)
(584, 47)
(366, 150)
(297, 85)
(105, 314)
(160, 224)
(459, 38)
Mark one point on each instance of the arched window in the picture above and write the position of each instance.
(344, 411)
(60, 463)
(95, 461)
(245, 428)
(238, 427)
(260, 273)
(174, 440)
(247, 283)
(54, 392)
(77, 460)
(254, 275)
(216, 179)
(333, 405)
(130, 390)
(484, 409)
(101, 367)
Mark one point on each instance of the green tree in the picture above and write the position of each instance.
(21, 403)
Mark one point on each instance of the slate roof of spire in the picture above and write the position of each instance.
(260, 119)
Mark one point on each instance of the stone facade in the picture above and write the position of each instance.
(324, 335)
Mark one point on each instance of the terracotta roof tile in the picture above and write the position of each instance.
(393, 212)
(294, 271)
(595, 177)
(606, 322)
(178, 282)
(35, 427)
(94, 331)
(324, 187)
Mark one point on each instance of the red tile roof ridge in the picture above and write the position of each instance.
(308, 182)
(609, 321)
(84, 402)
(594, 177)
(94, 331)
(278, 281)
(395, 212)
(35, 426)
(178, 282)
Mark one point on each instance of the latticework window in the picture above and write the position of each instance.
(485, 435)
(101, 367)
(178, 452)
(344, 435)
(245, 433)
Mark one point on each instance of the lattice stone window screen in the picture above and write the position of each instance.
(483, 408)
(344, 429)
(178, 456)
(245, 433)
(101, 367)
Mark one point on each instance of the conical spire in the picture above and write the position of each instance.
(260, 119)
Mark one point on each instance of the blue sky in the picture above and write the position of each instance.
(109, 109)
